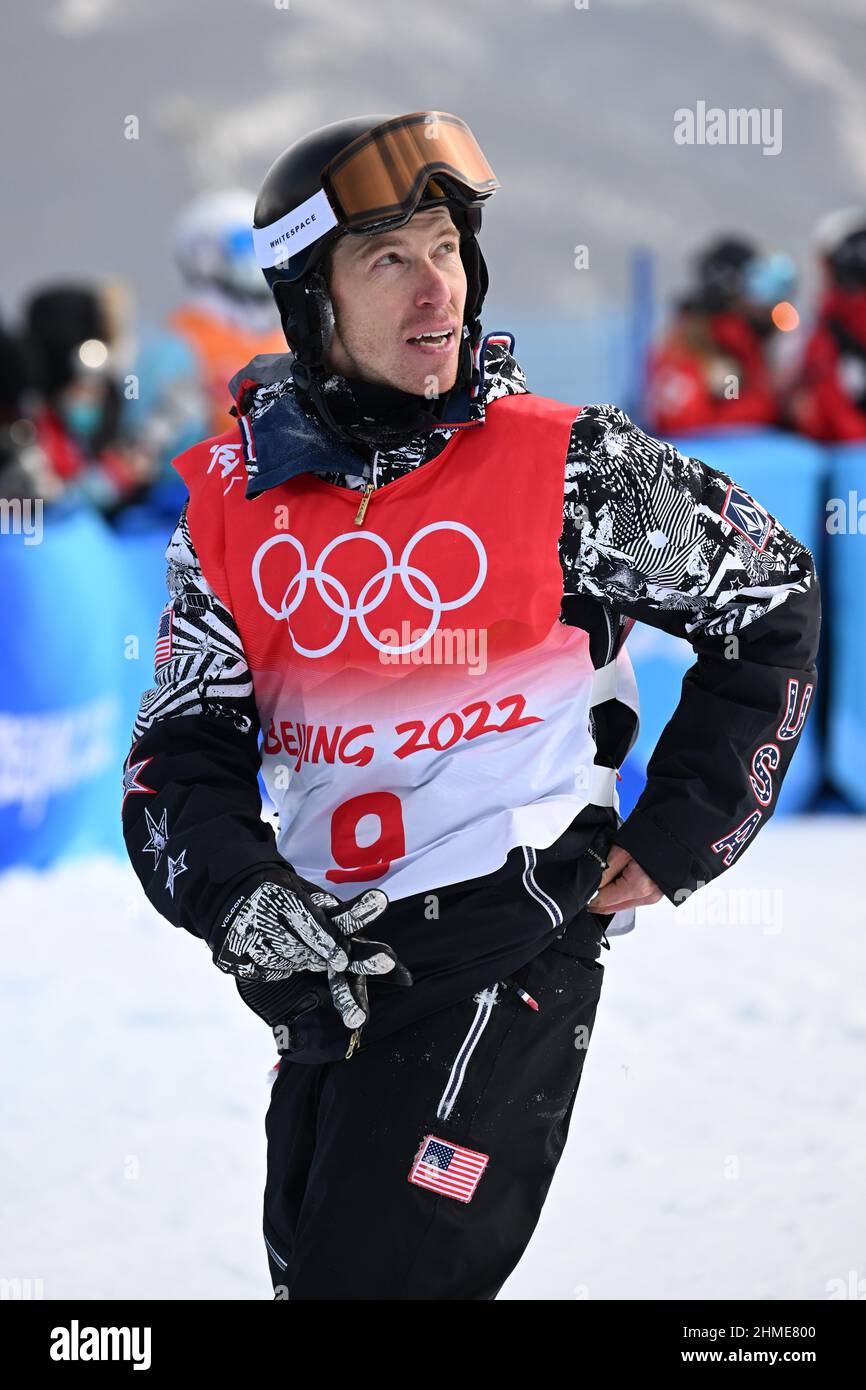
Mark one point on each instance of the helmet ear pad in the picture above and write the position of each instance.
(321, 308)
(477, 279)
(306, 314)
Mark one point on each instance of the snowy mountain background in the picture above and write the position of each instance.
(574, 108)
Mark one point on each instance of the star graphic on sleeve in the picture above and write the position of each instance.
(175, 867)
(131, 773)
(158, 835)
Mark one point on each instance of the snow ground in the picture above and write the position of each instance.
(717, 1147)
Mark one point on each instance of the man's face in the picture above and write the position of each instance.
(388, 288)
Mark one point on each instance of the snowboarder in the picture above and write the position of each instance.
(413, 578)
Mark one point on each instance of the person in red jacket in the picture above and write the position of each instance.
(712, 368)
(70, 335)
(828, 399)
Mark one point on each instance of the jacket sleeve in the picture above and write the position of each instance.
(661, 538)
(192, 809)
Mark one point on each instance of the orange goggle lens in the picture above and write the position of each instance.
(381, 176)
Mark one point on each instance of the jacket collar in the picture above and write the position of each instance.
(281, 438)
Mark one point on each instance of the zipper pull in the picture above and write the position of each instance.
(368, 493)
(527, 998)
(353, 1042)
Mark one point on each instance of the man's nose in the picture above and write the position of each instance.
(432, 287)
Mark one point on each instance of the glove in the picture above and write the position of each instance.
(282, 928)
(349, 987)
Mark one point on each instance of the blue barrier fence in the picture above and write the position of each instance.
(843, 611)
(80, 610)
(77, 621)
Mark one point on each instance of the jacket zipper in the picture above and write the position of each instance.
(369, 489)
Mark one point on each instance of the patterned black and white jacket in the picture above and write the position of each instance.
(649, 535)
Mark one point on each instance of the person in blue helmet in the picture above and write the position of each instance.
(225, 316)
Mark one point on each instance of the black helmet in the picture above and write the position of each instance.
(720, 273)
(359, 176)
(841, 239)
(58, 321)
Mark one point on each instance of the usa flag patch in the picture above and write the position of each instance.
(747, 516)
(163, 649)
(448, 1168)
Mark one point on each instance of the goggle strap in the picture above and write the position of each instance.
(294, 231)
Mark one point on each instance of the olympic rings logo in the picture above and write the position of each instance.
(334, 593)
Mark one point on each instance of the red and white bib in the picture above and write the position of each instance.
(424, 709)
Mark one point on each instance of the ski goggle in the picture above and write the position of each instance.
(377, 182)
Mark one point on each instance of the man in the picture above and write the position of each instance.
(414, 577)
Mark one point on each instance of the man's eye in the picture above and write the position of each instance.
(450, 246)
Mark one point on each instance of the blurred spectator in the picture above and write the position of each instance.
(70, 333)
(24, 470)
(712, 367)
(227, 317)
(828, 397)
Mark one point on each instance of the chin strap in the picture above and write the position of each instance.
(377, 434)
(309, 378)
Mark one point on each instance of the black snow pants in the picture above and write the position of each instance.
(418, 1167)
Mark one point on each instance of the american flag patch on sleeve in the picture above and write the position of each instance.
(448, 1168)
(163, 651)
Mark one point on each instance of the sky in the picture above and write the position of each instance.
(574, 107)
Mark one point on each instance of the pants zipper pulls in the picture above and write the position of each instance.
(353, 1043)
(527, 998)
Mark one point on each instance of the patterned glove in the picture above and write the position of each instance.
(349, 987)
(279, 930)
